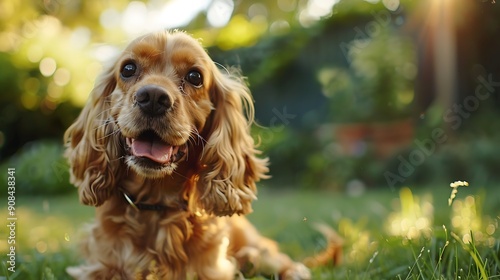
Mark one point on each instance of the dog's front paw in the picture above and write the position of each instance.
(74, 271)
(297, 271)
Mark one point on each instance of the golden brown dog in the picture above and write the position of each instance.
(163, 151)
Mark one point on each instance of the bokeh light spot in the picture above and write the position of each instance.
(287, 5)
(35, 53)
(32, 85)
(490, 229)
(29, 100)
(54, 92)
(391, 5)
(279, 27)
(41, 247)
(48, 66)
(257, 9)
(62, 77)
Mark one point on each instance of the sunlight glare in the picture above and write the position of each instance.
(179, 13)
(315, 10)
(135, 18)
(219, 13)
(110, 18)
(320, 8)
(466, 218)
(414, 219)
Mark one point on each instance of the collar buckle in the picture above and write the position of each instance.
(130, 201)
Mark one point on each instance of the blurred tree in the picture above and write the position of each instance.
(47, 73)
(52, 50)
(50, 58)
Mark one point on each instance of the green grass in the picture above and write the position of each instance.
(387, 234)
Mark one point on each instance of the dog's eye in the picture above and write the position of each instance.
(128, 70)
(195, 78)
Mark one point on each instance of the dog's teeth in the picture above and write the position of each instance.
(129, 141)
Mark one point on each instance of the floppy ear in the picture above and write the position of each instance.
(229, 162)
(92, 147)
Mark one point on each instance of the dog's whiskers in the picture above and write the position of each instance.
(105, 123)
(222, 66)
(179, 174)
(196, 139)
(118, 158)
(199, 138)
(112, 133)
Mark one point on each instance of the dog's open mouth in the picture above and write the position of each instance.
(150, 146)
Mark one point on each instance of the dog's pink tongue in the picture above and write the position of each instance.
(155, 150)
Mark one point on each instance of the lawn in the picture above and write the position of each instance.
(388, 234)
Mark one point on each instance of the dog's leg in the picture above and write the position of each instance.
(259, 255)
(107, 257)
(208, 250)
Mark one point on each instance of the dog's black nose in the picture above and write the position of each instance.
(153, 100)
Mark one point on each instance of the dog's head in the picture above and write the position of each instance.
(161, 105)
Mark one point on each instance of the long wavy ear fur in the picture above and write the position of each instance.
(230, 166)
(92, 146)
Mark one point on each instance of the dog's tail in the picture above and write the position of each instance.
(332, 254)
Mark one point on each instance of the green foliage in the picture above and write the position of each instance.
(287, 157)
(347, 104)
(378, 85)
(311, 159)
(40, 169)
(37, 266)
(45, 78)
(460, 160)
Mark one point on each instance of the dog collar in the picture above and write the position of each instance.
(151, 207)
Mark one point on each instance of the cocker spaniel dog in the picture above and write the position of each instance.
(163, 151)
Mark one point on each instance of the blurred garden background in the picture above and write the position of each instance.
(368, 110)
